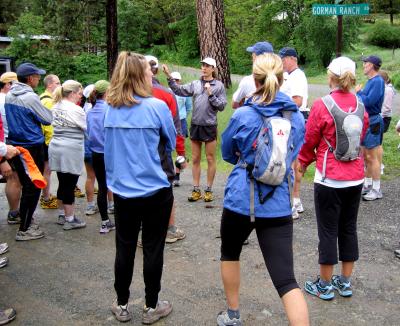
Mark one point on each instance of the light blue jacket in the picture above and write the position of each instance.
(185, 106)
(95, 126)
(132, 136)
(238, 139)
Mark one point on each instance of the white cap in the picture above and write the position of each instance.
(88, 89)
(340, 65)
(152, 58)
(176, 75)
(209, 61)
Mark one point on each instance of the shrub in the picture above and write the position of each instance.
(384, 35)
(396, 80)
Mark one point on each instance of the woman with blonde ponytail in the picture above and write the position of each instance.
(337, 183)
(273, 218)
(66, 149)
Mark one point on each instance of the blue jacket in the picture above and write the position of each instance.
(184, 105)
(373, 94)
(25, 115)
(95, 126)
(238, 138)
(132, 137)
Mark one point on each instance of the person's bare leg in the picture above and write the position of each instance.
(230, 274)
(196, 158)
(172, 216)
(47, 176)
(89, 184)
(211, 148)
(347, 268)
(69, 209)
(296, 308)
(297, 179)
(325, 272)
(13, 191)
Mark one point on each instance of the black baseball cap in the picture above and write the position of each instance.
(28, 69)
(287, 52)
(375, 60)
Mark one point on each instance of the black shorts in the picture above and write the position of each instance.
(46, 152)
(203, 133)
(275, 237)
(386, 123)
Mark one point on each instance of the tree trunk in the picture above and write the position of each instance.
(212, 35)
(112, 35)
(391, 11)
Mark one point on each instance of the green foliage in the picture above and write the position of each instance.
(396, 80)
(384, 35)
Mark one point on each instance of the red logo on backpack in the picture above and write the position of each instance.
(280, 133)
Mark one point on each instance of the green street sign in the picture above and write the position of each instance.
(340, 10)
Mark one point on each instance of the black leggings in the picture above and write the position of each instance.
(275, 237)
(66, 186)
(152, 213)
(100, 172)
(336, 210)
(30, 194)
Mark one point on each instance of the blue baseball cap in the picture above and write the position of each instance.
(287, 52)
(373, 59)
(27, 69)
(260, 48)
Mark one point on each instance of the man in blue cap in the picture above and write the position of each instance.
(25, 115)
(247, 86)
(372, 96)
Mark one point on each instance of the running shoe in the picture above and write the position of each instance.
(173, 236)
(3, 263)
(78, 192)
(397, 253)
(107, 227)
(299, 207)
(121, 312)
(365, 190)
(151, 315)
(61, 219)
(195, 196)
(315, 288)
(208, 196)
(3, 248)
(7, 315)
(76, 223)
(373, 194)
(32, 233)
(344, 289)
(224, 320)
(13, 218)
(91, 210)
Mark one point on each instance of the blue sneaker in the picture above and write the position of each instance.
(344, 289)
(314, 288)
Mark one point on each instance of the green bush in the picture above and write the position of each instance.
(396, 80)
(384, 35)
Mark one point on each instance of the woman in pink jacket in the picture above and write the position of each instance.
(339, 177)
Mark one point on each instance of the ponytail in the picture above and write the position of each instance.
(268, 72)
(68, 87)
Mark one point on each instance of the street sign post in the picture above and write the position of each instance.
(340, 10)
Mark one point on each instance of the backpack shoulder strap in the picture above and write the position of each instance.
(45, 96)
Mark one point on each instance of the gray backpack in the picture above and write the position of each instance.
(349, 126)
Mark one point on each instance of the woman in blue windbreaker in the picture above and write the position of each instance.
(273, 218)
(135, 125)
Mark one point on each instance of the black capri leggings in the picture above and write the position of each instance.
(66, 187)
(100, 172)
(275, 237)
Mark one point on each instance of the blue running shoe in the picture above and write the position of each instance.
(314, 288)
(224, 320)
(344, 289)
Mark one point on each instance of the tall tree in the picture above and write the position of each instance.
(212, 35)
(112, 35)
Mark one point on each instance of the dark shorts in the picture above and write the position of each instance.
(305, 114)
(46, 152)
(386, 123)
(88, 158)
(203, 133)
(374, 135)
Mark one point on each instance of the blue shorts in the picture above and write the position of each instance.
(184, 128)
(374, 135)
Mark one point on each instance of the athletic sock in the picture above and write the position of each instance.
(208, 188)
(69, 218)
(110, 204)
(172, 228)
(376, 184)
(196, 188)
(323, 283)
(90, 204)
(233, 313)
(296, 201)
(344, 279)
(61, 212)
(368, 182)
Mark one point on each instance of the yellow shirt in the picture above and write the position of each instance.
(47, 100)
